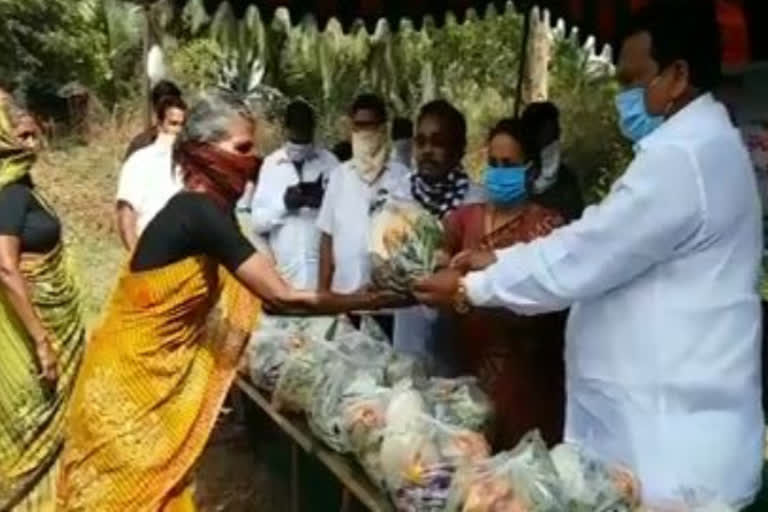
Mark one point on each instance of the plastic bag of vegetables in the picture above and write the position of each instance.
(421, 458)
(300, 373)
(275, 339)
(353, 368)
(364, 418)
(460, 402)
(403, 246)
(523, 480)
(591, 484)
(402, 367)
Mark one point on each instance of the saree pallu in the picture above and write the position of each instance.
(32, 415)
(153, 379)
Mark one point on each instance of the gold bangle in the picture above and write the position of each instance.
(460, 300)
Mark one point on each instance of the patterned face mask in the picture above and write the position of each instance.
(370, 151)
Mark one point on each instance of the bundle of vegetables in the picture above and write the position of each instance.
(364, 418)
(523, 480)
(273, 342)
(404, 367)
(460, 402)
(421, 457)
(405, 239)
(299, 376)
(354, 368)
(592, 484)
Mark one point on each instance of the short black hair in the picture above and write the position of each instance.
(300, 116)
(370, 102)
(402, 128)
(168, 102)
(538, 114)
(445, 111)
(683, 30)
(514, 128)
(162, 89)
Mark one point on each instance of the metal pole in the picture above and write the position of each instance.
(523, 58)
(147, 86)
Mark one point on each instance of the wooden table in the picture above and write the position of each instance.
(346, 470)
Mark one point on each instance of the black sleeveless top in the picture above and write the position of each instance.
(191, 224)
(23, 216)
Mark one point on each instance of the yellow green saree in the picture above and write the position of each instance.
(154, 377)
(31, 415)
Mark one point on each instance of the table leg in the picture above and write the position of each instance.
(295, 481)
(346, 501)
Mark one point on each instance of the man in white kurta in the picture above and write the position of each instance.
(663, 339)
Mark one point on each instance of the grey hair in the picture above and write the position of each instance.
(209, 119)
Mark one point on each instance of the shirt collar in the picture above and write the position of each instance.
(685, 123)
(313, 154)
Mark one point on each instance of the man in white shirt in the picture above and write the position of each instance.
(147, 179)
(663, 338)
(440, 185)
(288, 195)
(354, 190)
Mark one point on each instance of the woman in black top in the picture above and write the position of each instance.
(157, 369)
(42, 336)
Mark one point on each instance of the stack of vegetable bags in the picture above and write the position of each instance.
(355, 367)
(303, 367)
(403, 246)
(461, 403)
(523, 480)
(592, 484)
(275, 340)
(422, 457)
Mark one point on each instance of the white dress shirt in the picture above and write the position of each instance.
(147, 181)
(346, 216)
(663, 339)
(292, 235)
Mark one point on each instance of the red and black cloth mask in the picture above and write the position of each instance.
(223, 174)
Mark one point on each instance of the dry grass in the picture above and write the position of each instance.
(80, 181)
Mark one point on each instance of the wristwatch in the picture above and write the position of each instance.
(460, 300)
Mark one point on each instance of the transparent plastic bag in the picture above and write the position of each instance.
(522, 480)
(364, 419)
(405, 367)
(420, 458)
(275, 339)
(691, 499)
(353, 368)
(591, 484)
(403, 246)
(300, 373)
(460, 402)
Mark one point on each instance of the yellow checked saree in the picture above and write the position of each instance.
(154, 377)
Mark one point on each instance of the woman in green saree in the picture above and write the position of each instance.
(42, 335)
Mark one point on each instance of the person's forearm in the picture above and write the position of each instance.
(325, 265)
(15, 288)
(127, 227)
(324, 303)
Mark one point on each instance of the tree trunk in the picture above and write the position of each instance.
(539, 56)
(145, 70)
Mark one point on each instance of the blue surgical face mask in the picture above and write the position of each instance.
(634, 120)
(506, 185)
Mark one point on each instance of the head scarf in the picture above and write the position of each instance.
(443, 196)
(15, 160)
(223, 174)
(370, 151)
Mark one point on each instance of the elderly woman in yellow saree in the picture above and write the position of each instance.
(41, 330)
(157, 369)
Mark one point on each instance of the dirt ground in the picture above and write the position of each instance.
(245, 468)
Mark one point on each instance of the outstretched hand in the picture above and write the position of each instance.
(439, 290)
(473, 260)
